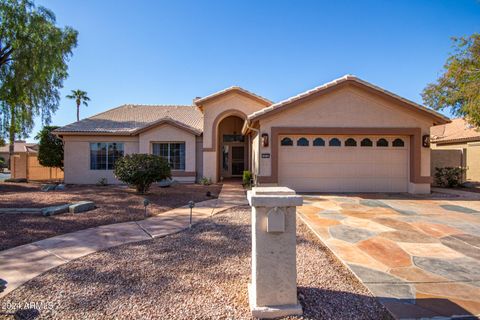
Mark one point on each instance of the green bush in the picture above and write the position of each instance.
(449, 176)
(2, 163)
(50, 148)
(205, 181)
(247, 179)
(141, 170)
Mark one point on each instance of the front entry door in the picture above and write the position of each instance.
(233, 160)
(238, 160)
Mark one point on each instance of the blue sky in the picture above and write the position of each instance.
(168, 52)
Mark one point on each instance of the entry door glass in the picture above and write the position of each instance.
(238, 160)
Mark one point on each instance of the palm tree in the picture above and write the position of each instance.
(80, 97)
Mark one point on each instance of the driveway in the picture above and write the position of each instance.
(419, 255)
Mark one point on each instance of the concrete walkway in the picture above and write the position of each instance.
(20, 264)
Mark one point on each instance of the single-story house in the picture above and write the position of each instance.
(344, 136)
(457, 144)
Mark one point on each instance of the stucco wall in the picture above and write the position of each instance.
(212, 109)
(168, 133)
(347, 107)
(471, 154)
(77, 158)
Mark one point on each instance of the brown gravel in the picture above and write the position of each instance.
(197, 274)
(114, 204)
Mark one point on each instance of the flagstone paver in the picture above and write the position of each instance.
(420, 256)
(20, 264)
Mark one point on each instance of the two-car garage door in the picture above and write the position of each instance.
(316, 163)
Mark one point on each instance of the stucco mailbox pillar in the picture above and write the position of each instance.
(273, 290)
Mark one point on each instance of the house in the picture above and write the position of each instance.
(457, 144)
(344, 136)
(24, 163)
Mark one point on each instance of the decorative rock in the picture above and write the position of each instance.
(165, 183)
(60, 187)
(50, 211)
(81, 206)
(48, 187)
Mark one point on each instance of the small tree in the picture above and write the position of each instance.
(141, 170)
(50, 148)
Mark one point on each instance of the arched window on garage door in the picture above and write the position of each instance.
(334, 142)
(302, 142)
(350, 142)
(286, 142)
(319, 142)
(366, 143)
(382, 143)
(398, 143)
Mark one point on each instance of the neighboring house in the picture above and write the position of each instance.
(457, 144)
(19, 146)
(25, 165)
(344, 136)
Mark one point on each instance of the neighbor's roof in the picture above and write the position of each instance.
(345, 79)
(237, 89)
(458, 130)
(20, 146)
(130, 119)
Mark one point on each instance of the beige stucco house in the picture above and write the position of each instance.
(344, 136)
(457, 144)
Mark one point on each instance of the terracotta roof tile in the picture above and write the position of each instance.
(130, 118)
(456, 131)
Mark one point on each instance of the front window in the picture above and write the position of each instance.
(173, 152)
(103, 155)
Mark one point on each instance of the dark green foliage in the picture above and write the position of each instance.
(34, 53)
(458, 88)
(2, 163)
(247, 178)
(449, 176)
(141, 170)
(50, 148)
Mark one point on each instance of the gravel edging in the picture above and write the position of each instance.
(195, 274)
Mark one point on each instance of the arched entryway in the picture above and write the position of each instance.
(232, 148)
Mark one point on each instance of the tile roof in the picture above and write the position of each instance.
(199, 101)
(19, 146)
(129, 119)
(457, 131)
(335, 82)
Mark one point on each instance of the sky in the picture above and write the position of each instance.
(169, 52)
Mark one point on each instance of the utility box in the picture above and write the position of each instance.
(273, 290)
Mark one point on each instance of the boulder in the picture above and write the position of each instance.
(81, 206)
(50, 211)
(60, 187)
(165, 183)
(48, 187)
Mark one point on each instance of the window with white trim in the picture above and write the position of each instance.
(173, 152)
(104, 154)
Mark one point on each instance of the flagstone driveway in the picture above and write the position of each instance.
(420, 257)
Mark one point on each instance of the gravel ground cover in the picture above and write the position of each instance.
(197, 274)
(114, 204)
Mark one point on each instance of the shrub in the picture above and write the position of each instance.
(2, 163)
(50, 148)
(449, 176)
(205, 181)
(141, 170)
(247, 179)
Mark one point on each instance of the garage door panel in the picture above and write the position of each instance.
(344, 169)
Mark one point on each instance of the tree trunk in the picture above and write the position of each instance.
(78, 112)
(11, 136)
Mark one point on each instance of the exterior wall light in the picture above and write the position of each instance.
(264, 139)
(426, 141)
